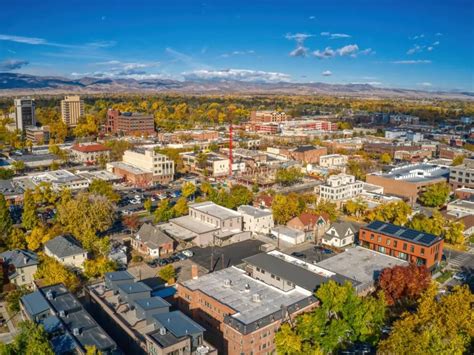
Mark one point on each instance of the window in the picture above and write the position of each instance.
(395, 243)
(404, 246)
(422, 251)
(412, 248)
(382, 249)
(403, 256)
(371, 237)
(379, 239)
(388, 241)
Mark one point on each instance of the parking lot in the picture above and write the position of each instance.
(312, 255)
(217, 258)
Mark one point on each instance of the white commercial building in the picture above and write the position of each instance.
(72, 108)
(256, 220)
(147, 159)
(340, 187)
(333, 161)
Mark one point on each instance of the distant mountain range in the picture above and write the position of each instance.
(18, 84)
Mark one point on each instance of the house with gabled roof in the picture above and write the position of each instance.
(339, 235)
(66, 250)
(19, 266)
(152, 241)
(312, 224)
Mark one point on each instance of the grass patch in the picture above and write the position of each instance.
(445, 276)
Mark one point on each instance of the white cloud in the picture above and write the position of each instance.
(425, 84)
(12, 64)
(234, 53)
(335, 35)
(245, 75)
(418, 36)
(41, 41)
(20, 39)
(429, 49)
(300, 38)
(350, 49)
(415, 49)
(118, 69)
(436, 43)
(312, 17)
(367, 51)
(419, 61)
(326, 73)
(438, 34)
(328, 52)
(299, 51)
(101, 44)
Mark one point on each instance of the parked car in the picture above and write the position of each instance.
(298, 254)
(460, 276)
(162, 262)
(153, 263)
(188, 253)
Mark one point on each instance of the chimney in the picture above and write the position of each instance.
(194, 272)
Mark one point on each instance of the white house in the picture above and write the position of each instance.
(256, 220)
(339, 235)
(66, 250)
(288, 235)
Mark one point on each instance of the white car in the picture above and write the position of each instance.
(188, 253)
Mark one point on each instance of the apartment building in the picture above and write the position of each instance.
(89, 153)
(407, 244)
(340, 187)
(24, 113)
(38, 135)
(72, 109)
(141, 322)
(409, 181)
(256, 220)
(71, 329)
(188, 136)
(308, 154)
(267, 116)
(462, 175)
(144, 162)
(19, 266)
(333, 161)
(215, 165)
(129, 123)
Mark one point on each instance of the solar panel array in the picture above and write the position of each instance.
(403, 233)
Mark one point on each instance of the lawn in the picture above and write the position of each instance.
(445, 276)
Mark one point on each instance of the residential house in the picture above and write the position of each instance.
(339, 235)
(66, 250)
(313, 225)
(19, 266)
(150, 240)
(288, 235)
(256, 220)
(263, 201)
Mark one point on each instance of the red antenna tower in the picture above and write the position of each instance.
(231, 158)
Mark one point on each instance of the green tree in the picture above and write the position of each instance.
(288, 177)
(458, 160)
(239, 195)
(441, 325)
(5, 217)
(201, 160)
(285, 207)
(18, 166)
(328, 207)
(147, 205)
(454, 233)
(357, 207)
(342, 319)
(103, 188)
(181, 207)
(163, 212)
(29, 217)
(13, 299)
(92, 350)
(396, 212)
(435, 195)
(167, 273)
(30, 339)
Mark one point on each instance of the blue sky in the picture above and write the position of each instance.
(418, 44)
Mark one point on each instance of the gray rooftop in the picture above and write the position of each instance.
(119, 276)
(152, 236)
(360, 264)
(214, 210)
(151, 303)
(134, 287)
(254, 211)
(8, 188)
(193, 225)
(35, 303)
(64, 246)
(239, 297)
(178, 323)
(418, 172)
(20, 258)
(286, 231)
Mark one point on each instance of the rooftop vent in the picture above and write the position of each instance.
(247, 287)
(62, 313)
(162, 330)
(227, 282)
(76, 332)
(256, 297)
(50, 295)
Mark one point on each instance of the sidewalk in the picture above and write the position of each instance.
(7, 337)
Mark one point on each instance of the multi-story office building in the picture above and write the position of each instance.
(462, 175)
(333, 161)
(144, 163)
(24, 113)
(340, 187)
(407, 244)
(267, 116)
(72, 108)
(89, 153)
(129, 123)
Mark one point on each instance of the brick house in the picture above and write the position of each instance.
(308, 154)
(312, 224)
(151, 241)
(89, 153)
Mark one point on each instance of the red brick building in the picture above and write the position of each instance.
(308, 154)
(129, 123)
(407, 244)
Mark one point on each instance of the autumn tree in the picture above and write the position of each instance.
(328, 207)
(167, 273)
(147, 205)
(402, 284)
(29, 217)
(181, 207)
(5, 217)
(385, 158)
(131, 222)
(288, 177)
(441, 325)
(396, 212)
(285, 207)
(435, 195)
(103, 188)
(240, 195)
(342, 319)
(356, 207)
(16, 239)
(52, 272)
(163, 212)
(31, 338)
(13, 299)
(39, 235)
(454, 233)
(188, 189)
(458, 160)
(94, 268)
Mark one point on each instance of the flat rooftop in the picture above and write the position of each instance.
(360, 264)
(417, 172)
(193, 225)
(214, 210)
(254, 211)
(130, 168)
(177, 232)
(234, 288)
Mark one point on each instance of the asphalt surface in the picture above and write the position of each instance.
(224, 257)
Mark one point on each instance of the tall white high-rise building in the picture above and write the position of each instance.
(72, 108)
(24, 113)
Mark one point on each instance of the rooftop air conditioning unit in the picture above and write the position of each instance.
(76, 331)
(162, 331)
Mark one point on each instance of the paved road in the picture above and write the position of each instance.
(460, 259)
(7, 337)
